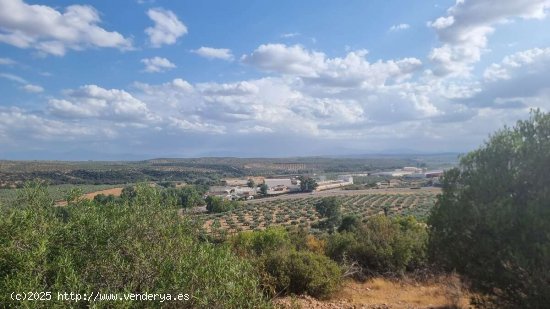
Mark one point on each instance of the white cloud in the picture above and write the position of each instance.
(239, 88)
(195, 126)
(32, 88)
(290, 35)
(157, 64)
(214, 53)
(92, 101)
(399, 27)
(16, 123)
(167, 27)
(7, 61)
(285, 59)
(353, 70)
(310, 100)
(49, 31)
(536, 59)
(519, 81)
(13, 77)
(28, 87)
(442, 22)
(464, 32)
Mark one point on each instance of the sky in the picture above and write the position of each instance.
(137, 79)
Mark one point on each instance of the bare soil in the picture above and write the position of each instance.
(113, 191)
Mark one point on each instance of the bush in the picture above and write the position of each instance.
(492, 222)
(216, 204)
(137, 246)
(302, 272)
(330, 208)
(260, 242)
(349, 223)
(382, 245)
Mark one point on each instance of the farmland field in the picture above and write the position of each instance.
(300, 211)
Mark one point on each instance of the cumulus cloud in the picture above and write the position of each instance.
(280, 58)
(157, 64)
(92, 101)
(214, 53)
(520, 80)
(49, 31)
(399, 27)
(309, 100)
(167, 27)
(18, 122)
(465, 30)
(353, 70)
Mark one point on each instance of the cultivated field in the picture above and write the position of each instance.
(299, 210)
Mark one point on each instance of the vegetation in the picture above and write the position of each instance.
(57, 193)
(382, 245)
(492, 222)
(301, 212)
(330, 209)
(263, 189)
(286, 267)
(216, 204)
(207, 171)
(491, 225)
(302, 272)
(307, 184)
(138, 245)
(186, 197)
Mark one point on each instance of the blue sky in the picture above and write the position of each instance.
(150, 78)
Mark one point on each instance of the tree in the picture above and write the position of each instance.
(250, 183)
(330, 208)
(216, 204)
(263, 189)
(492, 222)
(349, 223)
(307, 184)
(189, 197)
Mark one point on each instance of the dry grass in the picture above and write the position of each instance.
(441, 292)
(113, 191)
(90, 196)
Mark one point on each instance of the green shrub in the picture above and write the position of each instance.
(260, 242)
(137, 246)
(300, 272)
(382, 245)
(349, 223)
(492, 222)
(216, 204)
(331, 209)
